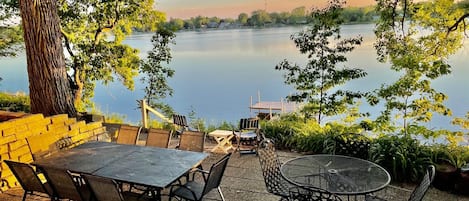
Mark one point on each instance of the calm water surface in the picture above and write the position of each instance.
(218, 71)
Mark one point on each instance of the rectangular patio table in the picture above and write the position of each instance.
(153, 167)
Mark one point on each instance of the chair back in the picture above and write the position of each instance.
(180, 120)
(216, 174)
(420, 191)
(128, 134)
(248, 124)
(62, 184)
(158, 138)
(27, 177)
(103, 189)
(270, 166)
(192, 141)
(302, 193)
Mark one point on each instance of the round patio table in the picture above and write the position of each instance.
(341, 175)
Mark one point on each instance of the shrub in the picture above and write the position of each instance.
(18, 102)
(403, 157)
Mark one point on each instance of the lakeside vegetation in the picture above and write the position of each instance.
(261, 18)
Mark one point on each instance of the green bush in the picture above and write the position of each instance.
(403, 157)
(15, 102)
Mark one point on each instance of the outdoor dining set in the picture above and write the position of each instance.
(123, 170)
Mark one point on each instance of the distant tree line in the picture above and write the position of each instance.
(261, 18)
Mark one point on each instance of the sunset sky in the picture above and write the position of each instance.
(232, 8)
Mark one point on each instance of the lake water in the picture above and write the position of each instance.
(218, 71)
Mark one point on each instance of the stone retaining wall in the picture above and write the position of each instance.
(33, 135)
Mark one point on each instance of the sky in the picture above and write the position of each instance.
(185, 9)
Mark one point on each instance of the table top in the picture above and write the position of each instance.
(149, 166)
(338, 174)
(221, 133)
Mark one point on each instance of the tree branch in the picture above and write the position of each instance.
(455, 26)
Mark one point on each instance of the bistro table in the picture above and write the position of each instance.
(223, 138)
(156, 168)
(341, 175)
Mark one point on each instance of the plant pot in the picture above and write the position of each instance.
(462, 183)
(445, 176)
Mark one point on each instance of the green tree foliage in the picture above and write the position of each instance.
(416, 42)
(93, 32)
(154, 71)
(316, 81)
(175, 24)
(298, 15)
(243, 18)
(259, 18)
(11, 35)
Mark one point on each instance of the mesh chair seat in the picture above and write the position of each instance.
(195, 192)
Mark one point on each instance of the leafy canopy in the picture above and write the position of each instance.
(325, 49)
(414, 39)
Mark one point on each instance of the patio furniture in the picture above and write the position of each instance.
(105, 189)
(158, 138)
(304, 193)
(223, 139)
(153, 167)
(128, 134)
(270, 166)
(247, 136)
(340, 175)
(181, 122)
(192, 141)
(64, 186)
(28, 179)
(419, 192)
(193, 190)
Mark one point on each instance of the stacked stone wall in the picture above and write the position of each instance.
(32, 135)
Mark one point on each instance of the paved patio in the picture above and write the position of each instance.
(243, 181)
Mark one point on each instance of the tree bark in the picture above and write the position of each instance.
(49, 88)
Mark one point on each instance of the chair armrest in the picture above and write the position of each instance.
(201, 171)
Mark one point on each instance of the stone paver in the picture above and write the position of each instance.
(243, 181)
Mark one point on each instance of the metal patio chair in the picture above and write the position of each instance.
(192, 141)
(128, 134)
(247, 136)
(270, 166)
(418, 193)
(64, 185)
(158, 138)
(28, 179)
(193, 190)
(181, 122)
(105, 189)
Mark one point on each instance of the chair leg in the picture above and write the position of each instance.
(24, 195)
(221, 194)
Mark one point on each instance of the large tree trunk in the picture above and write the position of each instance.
(49, 89)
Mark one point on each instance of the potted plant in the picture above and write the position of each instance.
(447, 161)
